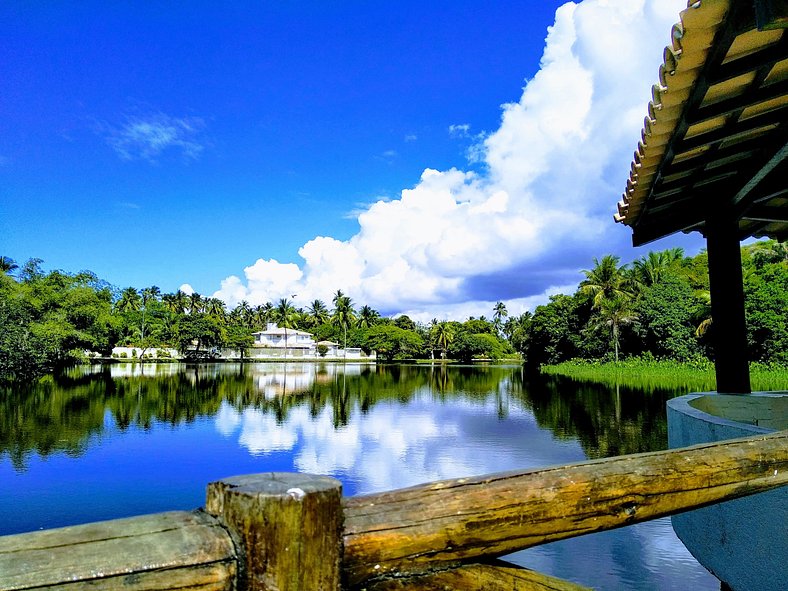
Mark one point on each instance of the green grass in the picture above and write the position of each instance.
(651, 374)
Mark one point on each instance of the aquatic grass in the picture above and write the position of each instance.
(648, 373)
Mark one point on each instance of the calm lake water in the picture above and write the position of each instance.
(105, 442)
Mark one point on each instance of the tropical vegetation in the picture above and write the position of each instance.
(656, 308)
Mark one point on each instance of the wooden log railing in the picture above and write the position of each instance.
(285, 531)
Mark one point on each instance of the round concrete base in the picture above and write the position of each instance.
(743, 542)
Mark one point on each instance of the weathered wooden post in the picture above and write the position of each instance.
(289, 527)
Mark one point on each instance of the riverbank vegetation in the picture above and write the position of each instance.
(658, 308)
(655, 309)
(647, 372)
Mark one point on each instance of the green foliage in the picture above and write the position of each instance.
(666, 310)
(322, 350)
(199, 332)
(392, 342)
(404, 322)
(766, 301)
(468, 346)
(553, 332)
(657, 306)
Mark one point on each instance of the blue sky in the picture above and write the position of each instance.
(429, 158)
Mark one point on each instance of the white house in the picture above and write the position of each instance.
(283, 338)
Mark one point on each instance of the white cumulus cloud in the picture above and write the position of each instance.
(541, 209)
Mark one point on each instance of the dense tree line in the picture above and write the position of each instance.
(658, 307)
(50, 320)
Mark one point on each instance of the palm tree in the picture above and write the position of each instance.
(499, 313)
(284, 315)
(181, 301)
(605, 281)
(343, 313)
(651, 268)
(129, 301)
(318, 313)
(148, 294)
(196, 303)
(444, 335)
(7, 265)
(704, 296)
(367, 317)
(170, 301)
(216, 308)
(245, 313)
(151, 293)
(615, 312)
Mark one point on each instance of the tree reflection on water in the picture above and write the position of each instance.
(64, 413)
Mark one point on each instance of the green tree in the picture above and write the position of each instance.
(651, 268)
(499, 313)
(614, 313)
(130, 301)
(196, 303)
(444, 335)
(766, 304)
(343, 313)
(604, 281)
(285, 316)
(667, 311)
(367, 317)
(199, 331)
(7, 265)
(215, 308)
(392, 342)
(238, 337)
(404, 322)
(318, 313)
(554, 332)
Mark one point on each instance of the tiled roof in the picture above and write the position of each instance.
(716, 134)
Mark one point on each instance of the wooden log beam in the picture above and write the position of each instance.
(177, 550)
(494, 576)
(442, 523)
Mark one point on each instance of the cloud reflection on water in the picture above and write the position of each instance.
(396, 444)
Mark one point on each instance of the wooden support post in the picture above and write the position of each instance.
(727, 305)
(289, 527)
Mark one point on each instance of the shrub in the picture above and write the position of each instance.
(123, 355)
(322, 350)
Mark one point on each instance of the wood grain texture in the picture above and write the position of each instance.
(289, 526)
(442, 523)
(176, 550)
(496, 576)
